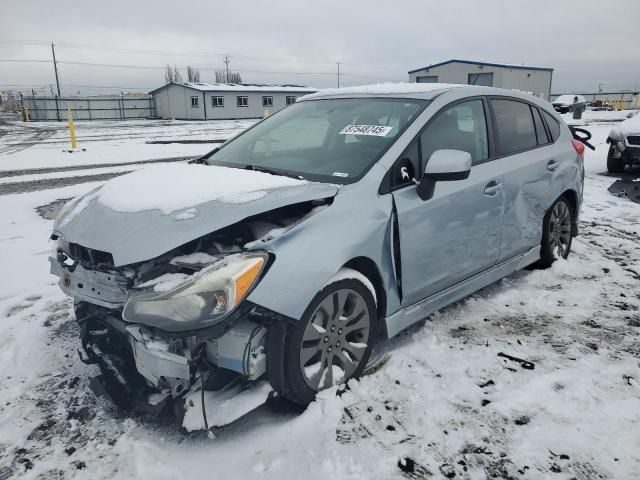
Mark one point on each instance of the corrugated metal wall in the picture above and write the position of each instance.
(90, 108)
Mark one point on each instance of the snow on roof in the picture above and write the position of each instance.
(569, 99)
(486, 64)
(245, 87)
(388, 88)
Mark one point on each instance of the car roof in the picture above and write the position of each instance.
(422, 91)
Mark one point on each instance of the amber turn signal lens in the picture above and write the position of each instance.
(246, 279)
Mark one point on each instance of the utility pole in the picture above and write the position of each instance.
(55, 66)
(338, 63)
(226, 62)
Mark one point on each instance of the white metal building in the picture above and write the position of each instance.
(222, 101)
(536, 80)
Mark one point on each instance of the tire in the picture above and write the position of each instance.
(322, 339)
(614, 165)
(556, 233)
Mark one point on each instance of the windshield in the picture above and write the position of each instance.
(335, 140)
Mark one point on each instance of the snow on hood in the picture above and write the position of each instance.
(139, 216)
(630, 126)
(173, 187)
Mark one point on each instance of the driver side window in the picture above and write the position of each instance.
(460, 127)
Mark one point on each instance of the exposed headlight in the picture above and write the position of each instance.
(201, 300)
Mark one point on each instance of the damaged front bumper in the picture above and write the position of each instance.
(145, 367)
(143, 371)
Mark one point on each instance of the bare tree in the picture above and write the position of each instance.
(168, 74)
(234, 77)
(11, 102)
(172, 74)
(193, 74)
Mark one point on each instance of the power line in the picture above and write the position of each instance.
(157, 52)
(153, 67)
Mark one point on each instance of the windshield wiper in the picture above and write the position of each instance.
(258, 168)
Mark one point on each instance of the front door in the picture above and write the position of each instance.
(456, 233)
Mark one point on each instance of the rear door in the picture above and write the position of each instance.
(456, 233)
(527, 160)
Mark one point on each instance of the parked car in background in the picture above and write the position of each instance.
(287, 252)
(624, 144)
(600, 105)
(566, 103)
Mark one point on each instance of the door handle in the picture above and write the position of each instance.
(552, 165)
(492, 188)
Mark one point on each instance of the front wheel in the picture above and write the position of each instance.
(556, 233)
(330, 344)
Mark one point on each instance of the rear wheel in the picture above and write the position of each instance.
(614, 164)
(556, 233)
(330, 344)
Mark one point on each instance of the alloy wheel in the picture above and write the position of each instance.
(335, 339)
(560, 229)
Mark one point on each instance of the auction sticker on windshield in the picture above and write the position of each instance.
(375, 130)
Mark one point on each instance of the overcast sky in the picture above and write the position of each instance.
(586, 42)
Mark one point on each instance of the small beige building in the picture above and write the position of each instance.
(536, 80)
(223, 101)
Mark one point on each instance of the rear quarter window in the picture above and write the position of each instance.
(554, 126)
(515, 127)
(541, 133)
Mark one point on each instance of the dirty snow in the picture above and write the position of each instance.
(439, 401)
(173, 187)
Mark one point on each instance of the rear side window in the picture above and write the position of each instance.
(514, 124)
(554, 126)
(541, 133)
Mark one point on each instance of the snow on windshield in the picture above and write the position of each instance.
(169, 188)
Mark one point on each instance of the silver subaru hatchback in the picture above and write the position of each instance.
(286, 253)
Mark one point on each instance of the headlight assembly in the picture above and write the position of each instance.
(201, 300)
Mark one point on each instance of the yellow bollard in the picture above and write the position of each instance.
(72, 128)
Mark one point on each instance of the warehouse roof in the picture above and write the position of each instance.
(486, 64)
(244, 87)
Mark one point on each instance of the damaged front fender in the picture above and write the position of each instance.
(310, 253)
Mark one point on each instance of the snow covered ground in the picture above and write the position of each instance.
(46, 144)
(443, 403)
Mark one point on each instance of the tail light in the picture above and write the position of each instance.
(578, 146)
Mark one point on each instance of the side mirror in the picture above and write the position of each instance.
(443, 166)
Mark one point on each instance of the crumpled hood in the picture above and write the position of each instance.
(139, 216)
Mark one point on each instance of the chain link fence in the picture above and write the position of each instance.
(111, 107)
